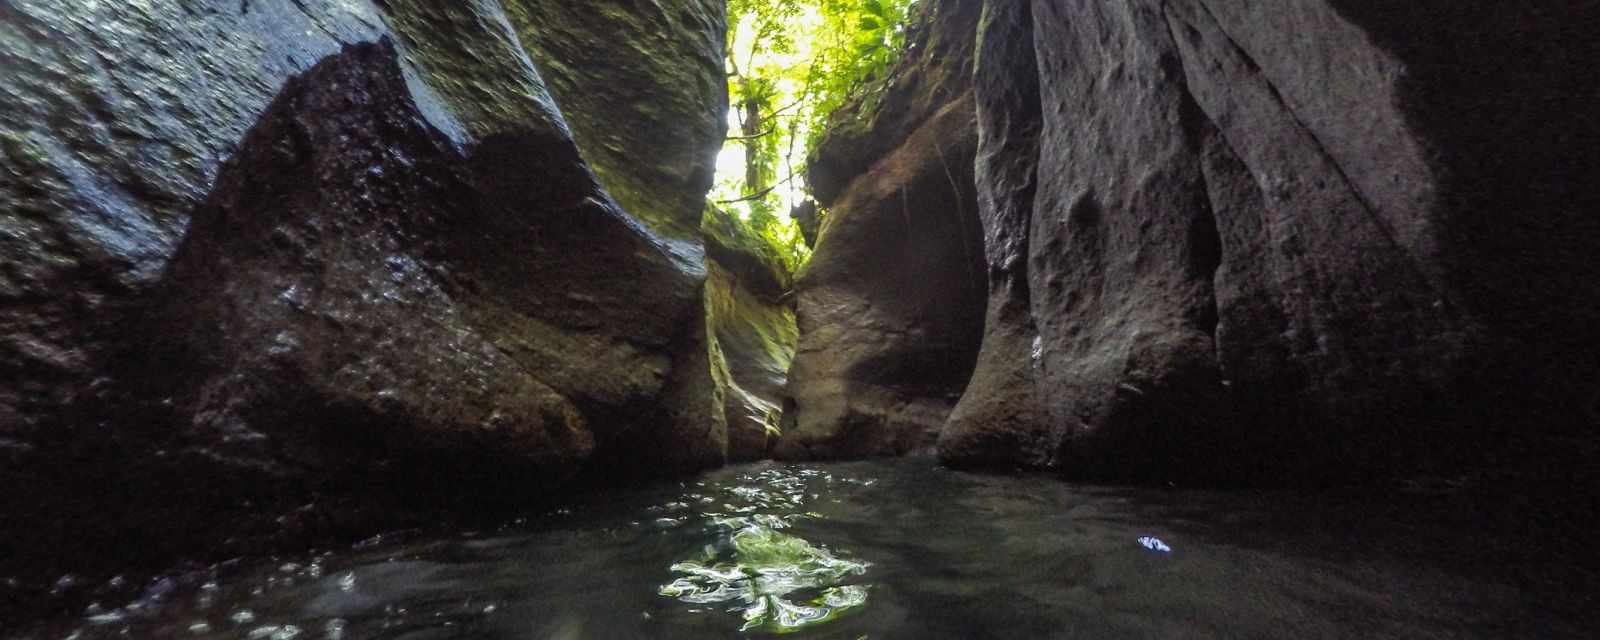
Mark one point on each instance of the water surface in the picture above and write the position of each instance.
(896, 549)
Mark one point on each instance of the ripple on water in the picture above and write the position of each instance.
(772, 580)
(882, 550)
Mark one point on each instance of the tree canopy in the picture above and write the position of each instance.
(790, 64)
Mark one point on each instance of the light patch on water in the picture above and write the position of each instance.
(773, 580)
(881, 549)
(1154, 544)
(274, 632)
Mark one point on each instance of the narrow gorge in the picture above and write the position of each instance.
(1071, 318)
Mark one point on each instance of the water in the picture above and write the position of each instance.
(862, 550)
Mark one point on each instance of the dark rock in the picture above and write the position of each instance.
(352, 263)
(808, 218)
(113, 120)
(1316, 243)
(754, 328)
(890, 305)
(757, 340)
(1000, 421)
(358, 287)
(1262, 243)
(642, 86)
(409, 294)
(1123, 247)
(754, 263)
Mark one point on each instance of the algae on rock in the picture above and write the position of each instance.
(746, 292)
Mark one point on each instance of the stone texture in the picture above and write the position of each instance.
(806, 217)
(348, 275)
(890, 305)
(755, 330)
(657, 66)
(1000, 421)
(409, 292)
(113, 120)
(1318, 241)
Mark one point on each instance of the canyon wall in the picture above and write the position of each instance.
(290, 271)
(890, 305)
(751, 316)
(1260, 242)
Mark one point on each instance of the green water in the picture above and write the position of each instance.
(879, 550)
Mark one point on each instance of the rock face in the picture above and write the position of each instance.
(656, 67)
(114, 118)
(890, 305)
(754, 327)
(1000, 421)
(409, 288)
(1314, 241)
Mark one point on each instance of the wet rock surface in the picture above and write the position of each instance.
(409, 292)
(1228, 243)
(114, 119)
(1260, 243)
(1000, 421)
(656, 66)
(890, 305)
(747, 307)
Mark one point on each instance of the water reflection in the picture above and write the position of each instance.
(773, 580)
(1154, 544)
(887, 549)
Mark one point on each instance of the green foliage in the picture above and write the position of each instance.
(791, 63)
(865, 39)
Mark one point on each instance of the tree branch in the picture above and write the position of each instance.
(759, 194)
(763, 134)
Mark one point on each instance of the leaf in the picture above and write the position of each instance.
(869, 23)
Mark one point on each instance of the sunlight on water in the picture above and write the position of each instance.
(884, 550)
(774, 581)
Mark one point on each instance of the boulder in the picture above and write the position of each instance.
(407, 293)
(890, 305)
(114, 119)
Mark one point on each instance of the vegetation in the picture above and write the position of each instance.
(790, 64)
